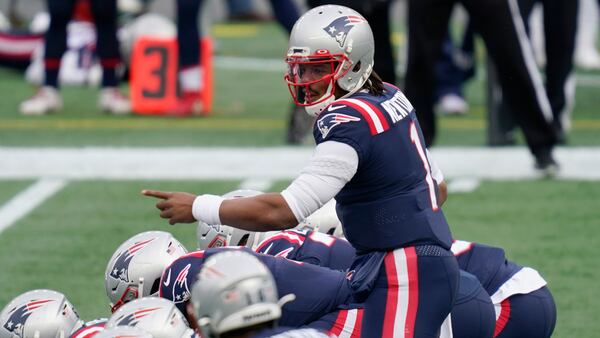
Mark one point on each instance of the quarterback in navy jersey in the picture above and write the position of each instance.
(317, 290)
(523, 303)
(370, 156)
(309, 247)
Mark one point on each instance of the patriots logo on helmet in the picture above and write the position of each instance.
(181, 292)
(19, 316)
(121, 267)
(339, 28)
(330, 121)
(131, 319)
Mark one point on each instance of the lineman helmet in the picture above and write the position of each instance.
(39, 313)
(337, 40)
(135, 268)
(234, 290)
(211, 236)
(157, 316)
(323, 220)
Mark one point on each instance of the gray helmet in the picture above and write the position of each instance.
(234, 290)
(157, 316)
(336, 35)
(39, 313)
(323, 220)
(211, 236)
(123, 331)
(143, 256)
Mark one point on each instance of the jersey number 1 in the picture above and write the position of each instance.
(416, 140)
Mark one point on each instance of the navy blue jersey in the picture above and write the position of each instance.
(318, 290)
(487, 263)
(391, 201)
(310, 247)
(90, 328)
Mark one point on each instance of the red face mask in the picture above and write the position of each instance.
(311, 79)
(131, 293)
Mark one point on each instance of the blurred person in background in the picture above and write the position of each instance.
(188, 36)
(502, 29)
(560, 26)
(104, 15)
(586, 50)
(455, 66)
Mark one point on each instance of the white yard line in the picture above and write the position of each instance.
(28, 199)
(463, 185)
(258, 184)
(274, 163)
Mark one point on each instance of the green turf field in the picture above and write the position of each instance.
(65, 243)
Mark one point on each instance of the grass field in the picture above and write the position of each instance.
(65, 242)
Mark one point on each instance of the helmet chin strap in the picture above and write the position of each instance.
(316, 109)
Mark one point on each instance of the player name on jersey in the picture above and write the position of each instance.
(398, 107)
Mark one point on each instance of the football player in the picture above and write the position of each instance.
(317, 291)
(39, 313)
(310, 247)
(371, 157)
(524, 306)
(135, 268)
(235, 295)
(157, 316)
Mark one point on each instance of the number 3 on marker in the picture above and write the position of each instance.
(159, 73)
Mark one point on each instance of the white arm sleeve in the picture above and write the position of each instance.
(436, 172)
(331, 167)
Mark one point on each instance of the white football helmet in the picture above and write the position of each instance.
(40, 314)
(157, 316)
(234, 290)
(334, 37)
(212, 236)
(140, 261)
(323, 220)
(122, 332)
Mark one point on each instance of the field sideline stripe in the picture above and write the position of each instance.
(463, 185)
(28, 199)
(142, 123)
(258, 184)
(212, 124)
(266, 163)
